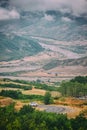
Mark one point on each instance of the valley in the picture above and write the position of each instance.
(58, 61)
(21, 93)
(43, 65)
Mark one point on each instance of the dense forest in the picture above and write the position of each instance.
(76, 87)
(30, 119)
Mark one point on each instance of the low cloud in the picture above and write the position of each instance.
(66, 19)
(8, 14)
(76, 7)
(48, 17)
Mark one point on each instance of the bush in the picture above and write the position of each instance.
(13, 85)
(47, 98)
(19, 95)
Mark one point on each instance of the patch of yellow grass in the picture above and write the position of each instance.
(1, 97)
(76, 105)
(71, 102)
(55, 94)
(34, 92)
(18, 105)
(76, 111)
(5, 101)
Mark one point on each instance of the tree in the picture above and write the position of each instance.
(47, 98)
(26, 109)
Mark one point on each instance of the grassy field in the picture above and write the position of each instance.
(77, 106)
(34, 91)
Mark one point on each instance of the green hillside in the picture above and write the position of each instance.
(17, 47)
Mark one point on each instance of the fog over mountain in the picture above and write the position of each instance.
(63, 20)
(76, 7)
(53, 29)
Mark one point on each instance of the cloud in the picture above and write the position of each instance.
(8, 14)
(76, 7)
(66, 19)
(48, 17)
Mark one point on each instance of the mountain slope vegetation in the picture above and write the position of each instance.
(17, 47)
(68, 62)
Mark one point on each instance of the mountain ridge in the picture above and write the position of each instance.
(37, 42)
(68, 62)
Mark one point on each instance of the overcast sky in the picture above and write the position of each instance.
(75, 7)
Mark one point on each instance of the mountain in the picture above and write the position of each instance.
(17, 47)
(68, 62)
(17, 33)
(35, 43)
